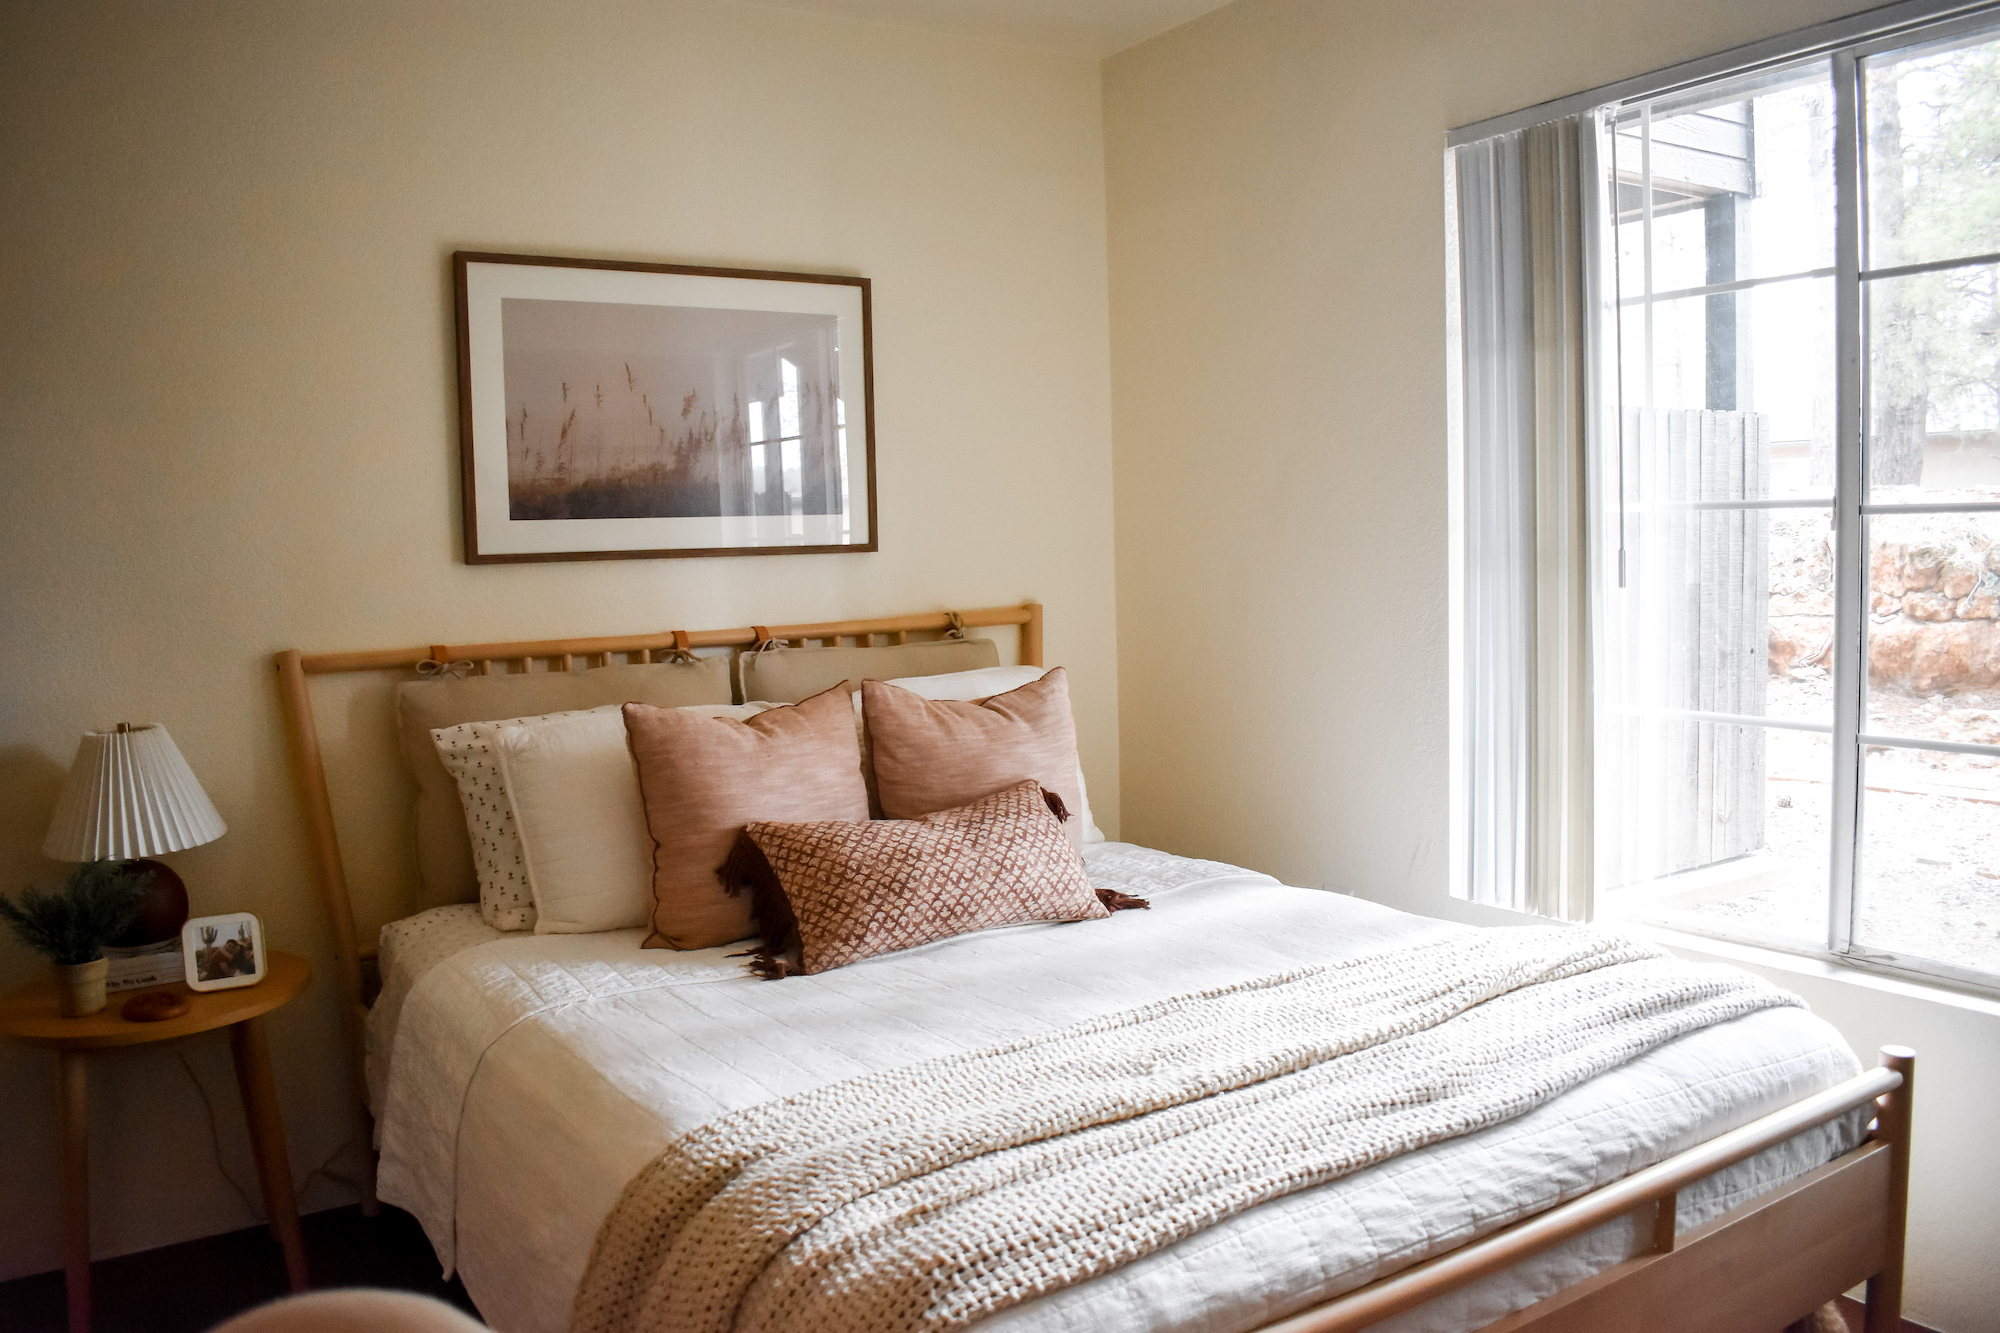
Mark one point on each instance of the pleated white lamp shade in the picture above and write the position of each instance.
(130, 794)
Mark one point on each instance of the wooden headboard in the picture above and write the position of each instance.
(309, 764)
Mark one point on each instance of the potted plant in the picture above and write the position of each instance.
(71, 925)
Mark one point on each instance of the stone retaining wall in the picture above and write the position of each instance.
(1934, 608)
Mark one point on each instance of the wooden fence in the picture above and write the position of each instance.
(1707, 581)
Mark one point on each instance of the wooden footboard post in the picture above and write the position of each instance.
(1892, 1126)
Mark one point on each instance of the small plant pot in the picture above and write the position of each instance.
(80, 987)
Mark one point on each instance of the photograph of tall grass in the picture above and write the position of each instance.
(651, 411)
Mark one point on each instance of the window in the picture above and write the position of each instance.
(1716, 685)
(794, 428)
(1786, 466)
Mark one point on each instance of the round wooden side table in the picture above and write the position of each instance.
(29, 1015)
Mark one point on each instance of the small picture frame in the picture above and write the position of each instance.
(223, 952)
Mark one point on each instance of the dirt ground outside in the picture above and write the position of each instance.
(1930, 856)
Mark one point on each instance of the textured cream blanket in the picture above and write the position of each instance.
(934, 1195)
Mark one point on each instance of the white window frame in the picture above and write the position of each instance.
(1845, 43)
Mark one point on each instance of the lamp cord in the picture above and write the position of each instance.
(321, 1172)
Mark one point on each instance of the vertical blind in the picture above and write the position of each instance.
(1526, 284)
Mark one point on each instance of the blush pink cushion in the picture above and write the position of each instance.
(839, 892)
(938, 754)
(702, 779)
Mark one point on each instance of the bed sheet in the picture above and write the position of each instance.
(404, 952)
(530, 1077)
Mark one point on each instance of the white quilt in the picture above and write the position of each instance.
(531, 1077)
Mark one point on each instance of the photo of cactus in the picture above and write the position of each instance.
(223, 952)
(219, 957)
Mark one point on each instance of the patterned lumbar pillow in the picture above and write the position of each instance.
(833, 892)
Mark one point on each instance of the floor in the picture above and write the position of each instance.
(1850, 1310)
(192, 1287)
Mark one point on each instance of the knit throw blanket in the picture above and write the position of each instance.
(934, 1195)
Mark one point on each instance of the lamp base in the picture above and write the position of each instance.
(163, 908)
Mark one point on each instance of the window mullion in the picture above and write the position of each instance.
(1646, 254)
(1850, 536)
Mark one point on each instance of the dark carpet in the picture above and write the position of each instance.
(191, 1287)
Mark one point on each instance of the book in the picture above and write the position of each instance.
(147, 965)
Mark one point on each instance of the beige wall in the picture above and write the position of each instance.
(228, 414)
(1276, 204)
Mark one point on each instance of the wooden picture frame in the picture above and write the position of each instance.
(612, 410)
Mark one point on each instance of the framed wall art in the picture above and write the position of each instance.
(613, 411)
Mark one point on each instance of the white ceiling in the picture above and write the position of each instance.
(1092, 28)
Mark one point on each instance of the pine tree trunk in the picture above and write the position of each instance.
(1899, 362)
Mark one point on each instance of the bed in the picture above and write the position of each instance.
(1734, 1178)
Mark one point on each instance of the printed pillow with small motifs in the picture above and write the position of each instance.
(506, 901)
(832, 892)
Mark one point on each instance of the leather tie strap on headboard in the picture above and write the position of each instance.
(683, 649)
(764, 640)
(436, 668)
(957, 630)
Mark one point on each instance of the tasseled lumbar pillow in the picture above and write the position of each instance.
(833, 892)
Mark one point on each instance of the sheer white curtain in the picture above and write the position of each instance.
(1525, 283)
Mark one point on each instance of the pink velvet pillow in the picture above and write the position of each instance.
(703, 778)
(829, 893)
(938, 754)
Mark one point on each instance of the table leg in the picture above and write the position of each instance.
(74, 1079)
(267, 1142)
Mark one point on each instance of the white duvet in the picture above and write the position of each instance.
(528, 1078)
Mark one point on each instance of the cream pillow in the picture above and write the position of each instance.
(571, 787)
(984, 683)
(466, 751)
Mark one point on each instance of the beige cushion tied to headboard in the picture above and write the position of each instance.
(787, 675)
(444, 850)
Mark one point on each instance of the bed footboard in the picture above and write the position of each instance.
(1752, 1270)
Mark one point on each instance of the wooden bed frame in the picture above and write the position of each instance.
(1755, 1269)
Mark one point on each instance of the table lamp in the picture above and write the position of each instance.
(130, 796)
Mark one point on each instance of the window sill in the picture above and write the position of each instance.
(1820, 967)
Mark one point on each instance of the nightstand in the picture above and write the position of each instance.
(29, 1015)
